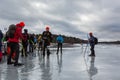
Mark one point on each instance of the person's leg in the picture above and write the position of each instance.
(41, 45)
(61, 47)
(48, 52)
(30, 48)
(22, 50)
(44, 47)
(26, 49)
(92, 50)
(16, 47)
(17, 52)
(58, 47)
(11, 45)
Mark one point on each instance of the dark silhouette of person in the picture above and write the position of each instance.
(92, 44)
(47, 38)
(59, 43)
(25, 42)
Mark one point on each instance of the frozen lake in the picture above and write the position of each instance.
(73, 64)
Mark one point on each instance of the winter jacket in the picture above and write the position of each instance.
(60, 39)
(17, 35)
(91, 41)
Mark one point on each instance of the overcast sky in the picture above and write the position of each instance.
(66, 17)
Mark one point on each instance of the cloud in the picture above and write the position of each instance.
(67, 17)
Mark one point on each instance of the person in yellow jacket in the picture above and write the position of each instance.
(40, 42)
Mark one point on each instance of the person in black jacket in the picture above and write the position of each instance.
(47, 38)
(25, 42)
(92, 44)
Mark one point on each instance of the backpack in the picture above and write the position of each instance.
(11, 31)
(96, 40)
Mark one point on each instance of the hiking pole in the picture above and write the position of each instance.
(82, 46)
(86, 45)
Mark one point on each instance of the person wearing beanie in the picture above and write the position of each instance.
(25, 43)
(39, 42)
(92, 44)
(47, 38)
(14, 44)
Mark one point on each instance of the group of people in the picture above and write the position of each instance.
(26, 39)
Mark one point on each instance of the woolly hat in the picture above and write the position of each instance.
(90, 33)
(47, 28)
(22, 24)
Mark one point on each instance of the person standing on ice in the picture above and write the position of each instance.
(92, 42)
(59, 42)
(47, 38)
(14, 43)
(25, 43)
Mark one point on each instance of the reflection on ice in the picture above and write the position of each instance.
(59, 61)
(73, 64)
(92, 69)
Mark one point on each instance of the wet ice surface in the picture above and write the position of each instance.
(74, 64)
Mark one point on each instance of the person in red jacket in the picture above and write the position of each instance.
(14, 44)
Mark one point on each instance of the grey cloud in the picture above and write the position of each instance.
(60, 15)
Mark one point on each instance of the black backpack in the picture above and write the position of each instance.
(11, 31)
(96, 40)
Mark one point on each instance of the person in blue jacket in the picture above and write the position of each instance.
(60, 41)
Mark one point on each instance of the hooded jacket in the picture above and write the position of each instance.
(17, 35)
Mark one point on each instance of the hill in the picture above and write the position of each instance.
(69, 39)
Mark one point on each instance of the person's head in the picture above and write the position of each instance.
(47, 28)
(12, 26)
(21, 24)
(0, 31)
(91, 34)
(59, 34)
(25, 30)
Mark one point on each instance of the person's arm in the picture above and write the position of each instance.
(19, 32)
(51, 37)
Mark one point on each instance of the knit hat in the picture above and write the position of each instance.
(22, 24)
(90, 33)
(47, 28)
